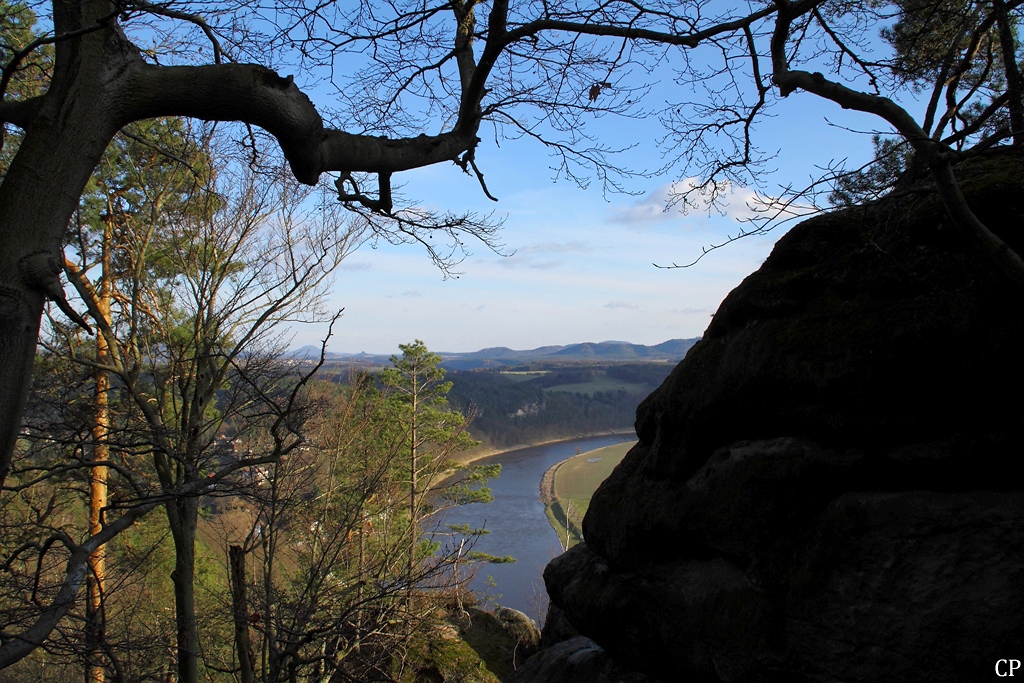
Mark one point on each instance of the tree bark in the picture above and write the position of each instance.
(240, 612)
(1014, 87)
(37, 198)
(63, 143)
(94, 615)
(183, 517)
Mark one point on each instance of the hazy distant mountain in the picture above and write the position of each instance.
(312, 352)
(676, 347)
(673, 349)
(609, 351)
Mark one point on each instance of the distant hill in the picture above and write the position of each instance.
(552, 392)
(498, 356)
(553, 399)
(624, 351)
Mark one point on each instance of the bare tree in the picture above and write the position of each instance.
(960, 57)
(333, 596)
(533, 70)
(139, 178)
(200, 288)
(427, 77)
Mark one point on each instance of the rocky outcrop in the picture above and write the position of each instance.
(521, 629)
(577, 660)
(557, 627)
(503, 639)
(826, 488)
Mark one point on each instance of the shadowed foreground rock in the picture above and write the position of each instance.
(826, 489)
(577, 660)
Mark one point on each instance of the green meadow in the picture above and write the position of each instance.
(575, 481)
(601, 382)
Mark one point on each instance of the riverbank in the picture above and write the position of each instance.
(565, 509)
(562, 527)
(469, 457)
(517, 523)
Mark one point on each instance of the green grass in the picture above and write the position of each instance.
(578, 478)
(602, 383)
(522, 375)
(575, 482)
(556, 518)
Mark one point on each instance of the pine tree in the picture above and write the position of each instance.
(430, 430)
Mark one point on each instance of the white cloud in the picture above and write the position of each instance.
(664, 203)
(355, 265)
(531, 255)
(648, 209)
(412, 294)
(523, 261)
(621, 303)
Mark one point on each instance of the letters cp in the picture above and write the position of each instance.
(1006, 667)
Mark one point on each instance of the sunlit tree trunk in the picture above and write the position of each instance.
(95, 586)
(413, 499)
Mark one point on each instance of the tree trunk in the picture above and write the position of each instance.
(413, 500)
(95, 586)
(1008, 47)
(39, 194)
(95, 626)
(1000, 254)
(33, 216)
(183, 515)
(239, 603)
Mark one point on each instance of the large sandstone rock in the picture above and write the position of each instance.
(826, 488)
(577, 660)
(521, 629)
(503, 639)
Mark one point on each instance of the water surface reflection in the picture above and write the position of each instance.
(517, 523)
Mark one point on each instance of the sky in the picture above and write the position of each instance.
(577, 265)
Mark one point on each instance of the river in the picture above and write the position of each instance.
(517, 524)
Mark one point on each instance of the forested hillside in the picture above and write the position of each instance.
(533, 403)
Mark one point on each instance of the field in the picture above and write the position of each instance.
(523, 375)
(602, 382)
(573, 485)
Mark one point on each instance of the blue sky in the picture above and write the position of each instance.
(580, 267)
